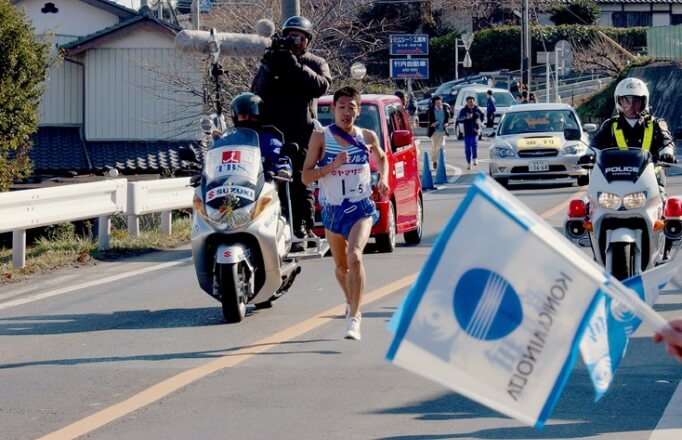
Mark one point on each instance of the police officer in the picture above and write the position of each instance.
(290, 80)
(634, 126)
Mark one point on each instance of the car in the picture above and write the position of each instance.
(539, 143)
(503, 102)
(401, 211)
(448, 92)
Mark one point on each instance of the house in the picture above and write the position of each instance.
(110, 102)
(627, 13)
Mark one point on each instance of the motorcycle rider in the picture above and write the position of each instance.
(634, 126)
(290, 80)
(247, 109)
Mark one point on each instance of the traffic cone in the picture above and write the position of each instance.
(441, 176)
(427, 180)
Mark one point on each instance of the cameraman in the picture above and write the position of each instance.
(290, 80)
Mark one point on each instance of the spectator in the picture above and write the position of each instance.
(471, 118)
(490, 109)
(438, 118)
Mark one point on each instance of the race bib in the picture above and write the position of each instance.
(349, 181)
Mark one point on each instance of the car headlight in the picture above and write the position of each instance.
(634, 200)
(575, 149)
(614, 201)
(502, 152)
(422, 108)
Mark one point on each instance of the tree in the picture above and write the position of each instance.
(23, 67)
(576, 12)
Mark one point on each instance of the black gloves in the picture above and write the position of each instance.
(280, 61)
(667, 155)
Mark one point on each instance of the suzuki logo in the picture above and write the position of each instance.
(227, 254)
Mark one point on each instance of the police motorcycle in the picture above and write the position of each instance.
(626, 217)
(240, 240)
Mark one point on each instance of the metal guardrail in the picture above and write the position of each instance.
(22, 210)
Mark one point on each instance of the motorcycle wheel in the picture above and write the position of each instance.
(233, 282)
(622, 260)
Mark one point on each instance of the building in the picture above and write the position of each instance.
(110, 102)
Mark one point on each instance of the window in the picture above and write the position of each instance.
(628, 19)
(676, 19)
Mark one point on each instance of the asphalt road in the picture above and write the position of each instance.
(135, 350)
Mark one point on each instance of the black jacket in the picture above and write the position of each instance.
(290, 94)
(472, 125)
(431, 117)
(634, 136)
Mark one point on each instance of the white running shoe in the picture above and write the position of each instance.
(468, 166)
(475, 162)
(353, 328)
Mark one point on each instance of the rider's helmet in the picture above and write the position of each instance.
(300, 24)
(632, 87)
(246, 104)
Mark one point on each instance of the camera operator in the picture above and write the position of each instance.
(290, 80)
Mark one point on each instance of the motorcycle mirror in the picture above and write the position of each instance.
(186, 153)
(571, 134)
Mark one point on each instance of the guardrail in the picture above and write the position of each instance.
(22, 210)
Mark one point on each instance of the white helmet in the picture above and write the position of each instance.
(632, 87)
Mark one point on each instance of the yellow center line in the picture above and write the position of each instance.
(174, 383)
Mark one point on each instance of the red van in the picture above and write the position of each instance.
(402, 210)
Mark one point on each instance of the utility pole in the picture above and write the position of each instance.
(525, 44)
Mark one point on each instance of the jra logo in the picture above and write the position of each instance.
(231, 156)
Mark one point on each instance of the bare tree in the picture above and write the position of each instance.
(599, 55)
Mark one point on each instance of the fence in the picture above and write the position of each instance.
(22, 210)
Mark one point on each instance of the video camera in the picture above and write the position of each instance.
(285, 42)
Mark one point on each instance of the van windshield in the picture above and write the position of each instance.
(502, 98)
(369, 118)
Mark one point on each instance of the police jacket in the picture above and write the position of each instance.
(472, 124)
(649, 133)
(290, 91)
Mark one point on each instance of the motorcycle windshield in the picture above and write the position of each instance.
(233, 173)
(617, 164)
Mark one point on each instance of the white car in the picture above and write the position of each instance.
(539, 143)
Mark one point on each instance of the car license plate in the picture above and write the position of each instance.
(538, 165)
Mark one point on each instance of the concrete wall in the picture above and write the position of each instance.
(665, 83)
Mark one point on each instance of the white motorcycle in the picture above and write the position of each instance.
(626, 217)
(240, 240)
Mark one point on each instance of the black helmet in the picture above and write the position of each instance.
(246, 104)
(300, 24)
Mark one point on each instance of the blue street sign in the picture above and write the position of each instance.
(409, 44)
(415, 68)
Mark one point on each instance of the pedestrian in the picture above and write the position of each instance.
(438, 117)
(290, 79)
(532, 98)
(524, 97)
(412, 110)
(400, 94)
(471, 117)
(490, 109)
(672, 338)
(338, 157)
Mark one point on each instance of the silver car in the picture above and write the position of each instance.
(539, 143)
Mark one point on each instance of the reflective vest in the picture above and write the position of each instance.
(646, 142)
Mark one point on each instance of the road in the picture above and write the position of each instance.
(134, 350)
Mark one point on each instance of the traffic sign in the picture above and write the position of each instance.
(467, 60)
(467, 39)
(409, 44)
(411, 68)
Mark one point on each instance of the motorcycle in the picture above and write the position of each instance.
(626, 218)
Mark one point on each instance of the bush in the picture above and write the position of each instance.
(576, 12)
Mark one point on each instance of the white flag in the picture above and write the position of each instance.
(605, 342)
(499, 307)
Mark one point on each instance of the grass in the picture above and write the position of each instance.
(68, 250)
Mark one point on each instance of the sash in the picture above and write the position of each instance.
(347, 137)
